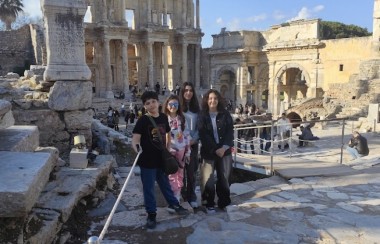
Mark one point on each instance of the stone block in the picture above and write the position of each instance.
(70, 95)
(23, 175)
(78, 158)
(19, 138)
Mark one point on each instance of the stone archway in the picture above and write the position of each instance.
(293, 82)
(227, 82)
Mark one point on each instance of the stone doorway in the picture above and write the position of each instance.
(227, 80)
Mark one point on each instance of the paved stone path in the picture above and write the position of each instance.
(322, 209)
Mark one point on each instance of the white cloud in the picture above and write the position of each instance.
(257, 18)
(318, 8)
(219, 21)
(306, 13)
(33, 8)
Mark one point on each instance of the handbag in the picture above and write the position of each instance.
(169, 162)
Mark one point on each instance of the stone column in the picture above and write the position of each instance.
(104, 11)
(150, 64)
(124, 21)
(184, 62)
(65, 41)
(149, 11)
(165, 20)
(165, 57)
(125, 70)
(197, 65)
(107, 68)
(184, 9)
(197, 15)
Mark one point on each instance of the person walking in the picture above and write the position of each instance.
(357, 146)
(146, 138)
(190, 105)
(180, 142)
(216, 135)
(283, 129)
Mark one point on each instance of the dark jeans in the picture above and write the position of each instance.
(223, 168)
(148, 178)
(190, 175)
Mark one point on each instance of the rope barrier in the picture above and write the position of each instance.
(96, 240)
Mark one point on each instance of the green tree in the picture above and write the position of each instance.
(9, 10)
(337, 30)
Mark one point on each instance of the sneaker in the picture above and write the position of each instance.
(178, 210)
(210, 210)
(193, 204)
(151, 221)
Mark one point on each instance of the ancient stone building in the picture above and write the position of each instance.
(161, 43)
(283, 66)
(290, 63)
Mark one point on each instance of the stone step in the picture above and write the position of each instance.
(18, 138)
(23, 175)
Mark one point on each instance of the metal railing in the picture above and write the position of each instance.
(261, 140)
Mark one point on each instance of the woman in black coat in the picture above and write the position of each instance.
(215, 126)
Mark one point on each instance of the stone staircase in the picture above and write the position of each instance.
(38, 192)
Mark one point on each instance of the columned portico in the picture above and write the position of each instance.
(184, 62)
(150, 64)
(165, 59)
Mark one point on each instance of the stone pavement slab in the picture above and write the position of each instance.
(23, 176)
(19, 138)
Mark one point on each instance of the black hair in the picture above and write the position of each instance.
(220, 107)
(193, 105)
(148, 95)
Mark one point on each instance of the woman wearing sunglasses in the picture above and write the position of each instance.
(180, 141)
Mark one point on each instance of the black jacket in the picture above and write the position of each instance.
(224, 124)
(360, 144)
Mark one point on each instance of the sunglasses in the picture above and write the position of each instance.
(175, 105)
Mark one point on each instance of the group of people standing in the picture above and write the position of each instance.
(182, 123)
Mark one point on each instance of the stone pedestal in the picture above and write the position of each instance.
(65, 40)
(70, 95)
(78, 158)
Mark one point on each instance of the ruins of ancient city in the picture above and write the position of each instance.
(77, 69)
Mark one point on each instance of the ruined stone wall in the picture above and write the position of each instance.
(16, 50)
(348, 52)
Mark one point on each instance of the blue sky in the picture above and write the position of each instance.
(261, 14)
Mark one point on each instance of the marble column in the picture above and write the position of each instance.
(184, 9)
(184, 62)
(197, 65)
(197, 15)
(165, 19)
(125, 70)
(104, 11)
(107, 71)
(149, 11)
(165, 57)
(150, 65)
(123, 19)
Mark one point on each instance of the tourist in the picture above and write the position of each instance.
(357, 146)
(265, 140)
(132, 117)
(179, 141)
(146, 86)
(177, 88)
(283, 130)
(116, 117)
(305, 136)
(216, 134)
(145, 138)
(163, 90)
(157, 88)
(190, 106)
(122, 109)
(126, 118)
